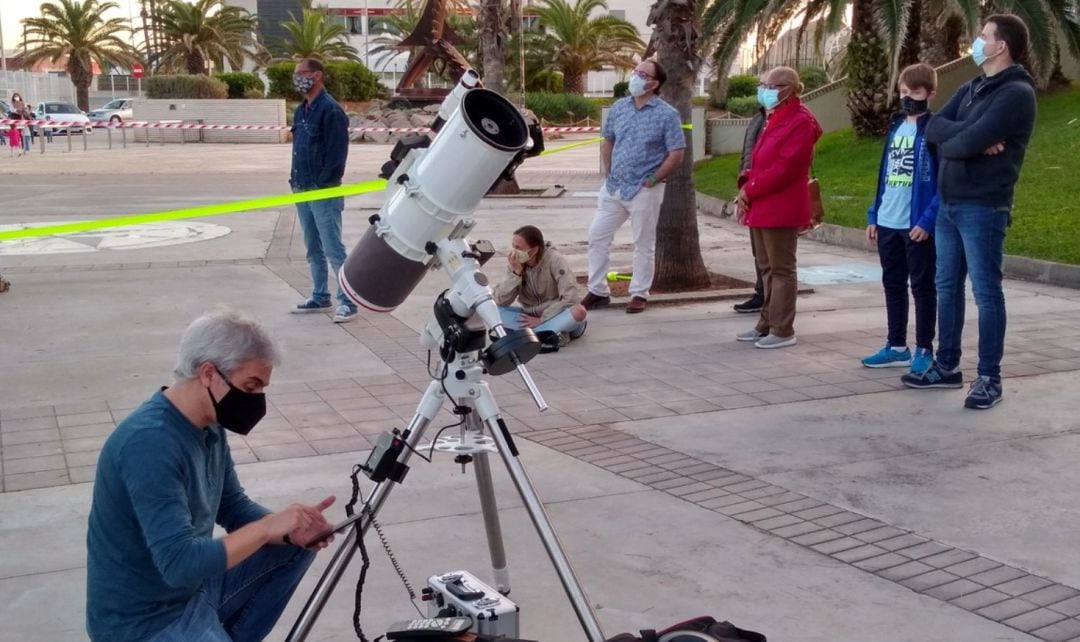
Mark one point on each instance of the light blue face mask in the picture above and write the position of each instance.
(768, 98)
(978, 51)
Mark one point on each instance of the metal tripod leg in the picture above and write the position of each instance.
(425, 412)
(490, 508)
(489, 414)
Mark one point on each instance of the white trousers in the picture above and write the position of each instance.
(643, 211)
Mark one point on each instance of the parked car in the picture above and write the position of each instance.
(114, 112)
(63, 112)
(5, 108)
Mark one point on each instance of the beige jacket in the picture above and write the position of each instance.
(547, 288)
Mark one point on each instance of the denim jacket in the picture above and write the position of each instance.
(320, 144)
(925, 199)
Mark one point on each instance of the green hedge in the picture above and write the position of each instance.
(545, 81)
(813, 77)
(185, 86)
(621, 89)
(561, 108)
(743, 105)
(744, 85)
(344, 80)
(241, 83)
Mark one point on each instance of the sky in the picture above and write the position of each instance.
(13, 11)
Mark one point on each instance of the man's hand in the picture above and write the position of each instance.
(995, 149)
(871, 234)
(918, 234)
(316, 525)
(529, 321)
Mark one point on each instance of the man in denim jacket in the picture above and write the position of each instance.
(320, 147)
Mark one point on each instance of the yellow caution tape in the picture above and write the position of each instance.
(197, 212)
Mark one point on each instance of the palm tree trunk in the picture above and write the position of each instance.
(939, 39)
(196, 64)
(492, 32)
(81, 76)
(573, 83)
(869, 96)
(679, 265)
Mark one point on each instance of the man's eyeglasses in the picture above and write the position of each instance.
(773, 86)
(642, 75)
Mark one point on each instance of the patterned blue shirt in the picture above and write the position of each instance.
(643, 138)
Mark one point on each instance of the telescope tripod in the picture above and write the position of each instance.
(463, 383)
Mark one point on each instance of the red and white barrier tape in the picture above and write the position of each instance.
(169, 125)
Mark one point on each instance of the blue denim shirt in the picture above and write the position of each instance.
(643, 138)
(161, 485)
(320, 133)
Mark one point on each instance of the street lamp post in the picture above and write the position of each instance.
(3, 54)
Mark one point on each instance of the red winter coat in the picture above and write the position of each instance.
(776, 181)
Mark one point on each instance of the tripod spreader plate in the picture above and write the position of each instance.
(507, 353)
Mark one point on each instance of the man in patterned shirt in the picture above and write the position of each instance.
(643, 144)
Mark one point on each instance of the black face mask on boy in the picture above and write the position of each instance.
(913, 107)
(237, 410)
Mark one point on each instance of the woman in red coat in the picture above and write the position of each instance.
(774, 201)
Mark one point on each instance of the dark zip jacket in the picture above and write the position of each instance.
(987, 110)
(320, 143)
(924, 192)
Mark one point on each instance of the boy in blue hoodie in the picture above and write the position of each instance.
(901, 223)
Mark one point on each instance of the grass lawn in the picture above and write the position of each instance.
(1046, 215)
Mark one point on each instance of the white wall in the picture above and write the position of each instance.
(213, 112)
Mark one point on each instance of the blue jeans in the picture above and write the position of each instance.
(561, 322)
(971, 240)
(244, 603)
(321, 223)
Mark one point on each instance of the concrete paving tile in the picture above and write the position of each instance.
(972, 600)
(327, 432)
(857, 554)
(795, 530)
(837, 545)
(82, 474)
(691, 406)
(928, 580)
(26, 412)
(1005, 610)
(1065, 630)
(764, 492)
(730, 480)
(779, 500)
(778, 521)
(746, 486)
(281, 400)
(257, 439)
(824, 391)
(380, 413)
(39, 479)
(28, 423)
(734, 402)
(781, 396)
(735, 510)
(1022, 585)
(721, 503)
(881, 562)
(861, 526)
(283, 451)
(761, 514)
(704, 495)
(89, 430)
(1070, 606)
(1051, 595)
(690, 488)
(809, 508)
(81, 407)
(82, 419)
(947, 558)
(997, 576)
(881, 534)
(34, 464)
(903, 541)
(672, 484)
(816, 537)
(81, 444)
(667, 457)
(29, 436)
(355, 403)
(841, 518)
(925, 549)
(23, 451)
(355, 443)
(904, 571)
(1033, 620)
(646, 411)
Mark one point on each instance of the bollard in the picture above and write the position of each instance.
(42, 137)
(123, 136)
(67, 135)
(162, 130)
(109, 130)
(84, 136)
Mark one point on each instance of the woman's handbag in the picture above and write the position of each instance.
(817, 209)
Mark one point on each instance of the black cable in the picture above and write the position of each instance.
(416, 452)
(431, 451)
(366, 561)
(397, 566)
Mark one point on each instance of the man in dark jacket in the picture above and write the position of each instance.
(320, 147)
(981, 136)
(753, 130)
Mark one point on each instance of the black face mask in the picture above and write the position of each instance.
(913, 107)
(238, 411)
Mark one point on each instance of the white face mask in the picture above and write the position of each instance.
(637, 86)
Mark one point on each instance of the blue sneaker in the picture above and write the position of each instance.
(934, 377)
(345, 314)
(985, 393)
(888, 358)
(311, 305)
(922, 360)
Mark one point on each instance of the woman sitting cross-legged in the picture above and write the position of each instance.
(541, 281)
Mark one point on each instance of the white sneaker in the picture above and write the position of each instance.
(773, 341)
(749, 335)
(344, 314)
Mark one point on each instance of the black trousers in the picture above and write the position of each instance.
(759, 285)
(904, 260)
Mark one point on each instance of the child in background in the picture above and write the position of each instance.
(14, 137)
(901, 223)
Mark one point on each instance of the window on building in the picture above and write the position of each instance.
(355, 24)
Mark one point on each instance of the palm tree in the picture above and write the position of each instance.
(207, 31)
(573, 41)
(314, 36)
(493, 36)
(679, 264)
(76, 31)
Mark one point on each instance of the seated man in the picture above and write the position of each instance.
(165, 477)
(540, 279)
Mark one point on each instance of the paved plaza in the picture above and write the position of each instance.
(791, 491)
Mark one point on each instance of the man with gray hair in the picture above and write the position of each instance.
(165, 477)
